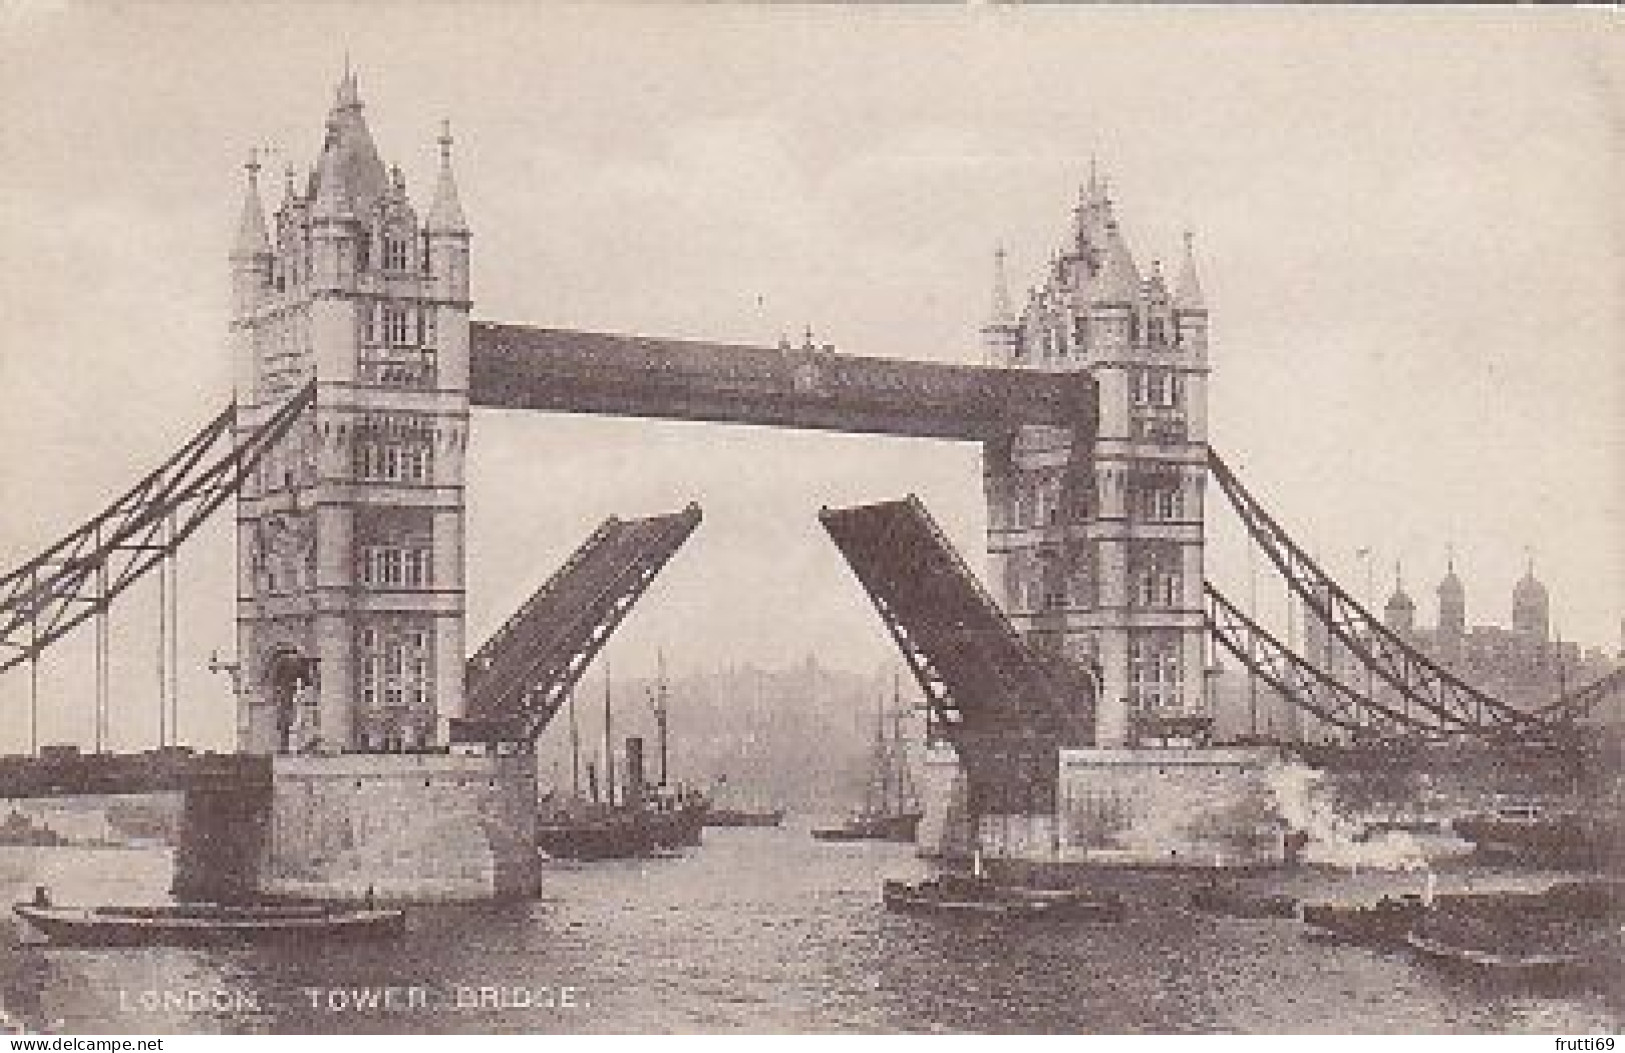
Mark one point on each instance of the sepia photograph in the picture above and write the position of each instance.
(700, 519)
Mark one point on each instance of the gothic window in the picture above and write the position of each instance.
(397, 567)
(396, 669)
(371, 667)
(418, 663)
(1157, 388)
(396, 251)
(1157, 576)
(1052, 580)
(397, 325)
(1159, 500)
(380, 460)
(1154, 671)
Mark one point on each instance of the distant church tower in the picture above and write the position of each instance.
(350, 533)
(1531, 606)
(1399, 614)
(1452, 611)
(1096, 547)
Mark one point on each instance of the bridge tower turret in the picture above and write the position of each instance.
(1001, 336)
(350, 578)
(1096, 542)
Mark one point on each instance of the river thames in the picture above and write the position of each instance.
(769, 931)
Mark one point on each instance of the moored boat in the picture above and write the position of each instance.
(206, 923)
(873, 827)
(1385, 922)
(968, 895)
(1529, 831)
(743, 817)
(1215, 898)
(1525, 961)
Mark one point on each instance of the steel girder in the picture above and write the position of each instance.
(80, 575)
(1302, 683)
(1452, 701)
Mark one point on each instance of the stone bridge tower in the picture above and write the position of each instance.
(350, 533)
(1096, 548)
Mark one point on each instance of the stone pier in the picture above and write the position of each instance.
(1197, 808)
(418, 827)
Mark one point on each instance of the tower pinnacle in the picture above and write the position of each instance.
(1188, 289)
(446, 213)
(252, 241)
(348, 96)
(1003, 314)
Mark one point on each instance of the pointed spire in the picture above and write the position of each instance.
(1118, 281)
(446, 214)
(1003, 314)
(1188, 290)
(348, 96)
(349, 158)
(290, 190)
(252, 241)
(1089, 215)
(1400, 599)
(332, 197)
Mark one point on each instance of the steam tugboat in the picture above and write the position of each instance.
(644, 820)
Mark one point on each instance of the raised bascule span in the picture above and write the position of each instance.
(520, 677)
(1006, 710)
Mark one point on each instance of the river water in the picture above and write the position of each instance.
(769, 931)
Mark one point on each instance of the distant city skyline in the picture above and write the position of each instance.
(1407, 223)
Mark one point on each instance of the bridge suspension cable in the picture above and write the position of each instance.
(1302, 682)
(80, 575)
(1452, 702)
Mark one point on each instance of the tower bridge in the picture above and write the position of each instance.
(1068, 693)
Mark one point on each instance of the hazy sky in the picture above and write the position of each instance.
(1408, 221)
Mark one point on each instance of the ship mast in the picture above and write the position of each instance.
(575, 747)
(906, 798)
(882, 773)
(662, 713)
(609, 745)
